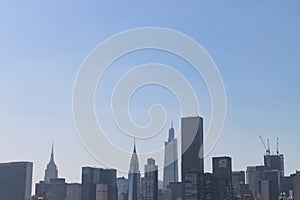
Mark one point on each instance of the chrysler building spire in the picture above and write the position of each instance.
(134, 176)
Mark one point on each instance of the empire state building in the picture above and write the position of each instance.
(51, 170)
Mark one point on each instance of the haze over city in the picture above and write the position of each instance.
(254, 44)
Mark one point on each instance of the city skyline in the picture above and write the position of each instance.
(192, 124)
(266, 180)
(254, 44)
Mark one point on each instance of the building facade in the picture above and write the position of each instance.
(101, 191)
(122, 184)
(297, 186)
(194, 185)
(16, 180)
(73, 191)
(134, 177)
(191, 147)
(56, 189)
(210, 187)
(151, 180)
(176, 190)
(222, 170)
(238, 178)
(170, 159)
(93, 176)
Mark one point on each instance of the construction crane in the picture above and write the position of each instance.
(266, 148)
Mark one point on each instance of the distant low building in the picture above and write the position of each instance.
(56, 189)
(92, 176)
(122, 184)
(297, 186)
(222, 170)
(73, 191)
(238, 177)
(151, 180)
(176, 190)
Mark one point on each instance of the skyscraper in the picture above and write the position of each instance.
(273, 178)
(222, 169)
(275, 162)
(122, 184)
(51, 169)
(170, 159)
(151, 180)
(211, 187)
(297, 186)
(192, 154)
(134, 177)
(16, 180)
(251, 179)
(238, 177)
(93, 176)
(194, 185)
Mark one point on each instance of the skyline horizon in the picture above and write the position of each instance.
(255, 46)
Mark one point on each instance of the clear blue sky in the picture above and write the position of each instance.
(255, 45)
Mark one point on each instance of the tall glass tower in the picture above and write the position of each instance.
(192, 153)
(170, 159)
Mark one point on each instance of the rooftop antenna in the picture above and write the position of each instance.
(277, 146)
(268, 150)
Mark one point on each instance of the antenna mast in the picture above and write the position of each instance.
(277, 146)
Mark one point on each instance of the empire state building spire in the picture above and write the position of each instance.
(51, 170)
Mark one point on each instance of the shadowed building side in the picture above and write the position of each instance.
(192, 156)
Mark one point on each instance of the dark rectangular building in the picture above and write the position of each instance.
(222, 170)
(93, 176)
(56, 189)
(176, 190)
(211, 187)
(194, 185)
(15, 180)
(238, 177)
(151, 180)
(191, 147)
